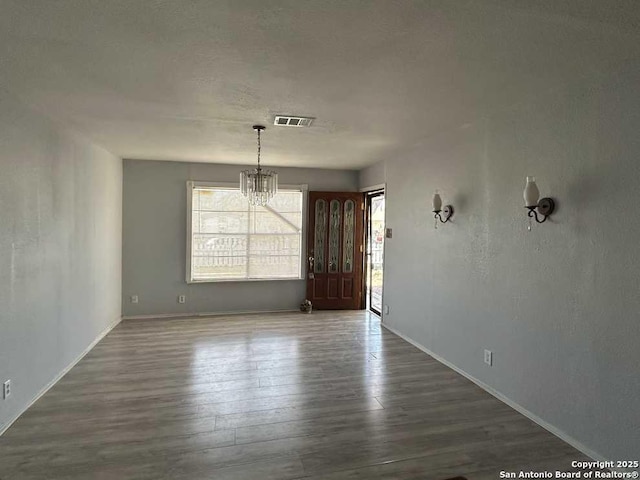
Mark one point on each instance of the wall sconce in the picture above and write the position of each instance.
(447, 212)
(544, 207)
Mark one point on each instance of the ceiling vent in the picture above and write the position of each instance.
(289, 121)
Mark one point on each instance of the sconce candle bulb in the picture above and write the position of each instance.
(437, 202)
(531, 193)
(544, 207)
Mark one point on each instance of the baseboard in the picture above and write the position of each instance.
(201, 314)
(47, 387)
(519, 408)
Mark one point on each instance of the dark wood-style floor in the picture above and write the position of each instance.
(330, 395)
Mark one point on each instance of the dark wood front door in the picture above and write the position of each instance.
(335, 246)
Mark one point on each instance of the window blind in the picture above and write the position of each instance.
(232, 240)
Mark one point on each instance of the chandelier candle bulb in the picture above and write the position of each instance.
(531, 193)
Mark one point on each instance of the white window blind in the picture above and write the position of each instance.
(232, 240)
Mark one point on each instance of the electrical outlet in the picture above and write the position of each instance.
(182, 299)
(386, 309)
(134, 298)
(488, 357)
(6, 389)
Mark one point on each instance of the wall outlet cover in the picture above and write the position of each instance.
(134, 298)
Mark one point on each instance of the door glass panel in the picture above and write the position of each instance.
(334, 235)
(320, 236)
(375, 249)
(349, 235)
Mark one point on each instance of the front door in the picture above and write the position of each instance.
(335, 246)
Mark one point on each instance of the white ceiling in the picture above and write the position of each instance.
(185, 79)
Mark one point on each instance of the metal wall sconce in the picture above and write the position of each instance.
(447, 211)
(544, 206)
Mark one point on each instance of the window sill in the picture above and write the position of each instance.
(236, 280)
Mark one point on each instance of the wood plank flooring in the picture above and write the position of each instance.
(330, 395)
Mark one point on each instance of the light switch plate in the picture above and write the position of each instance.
(488, 357)
(6, 389)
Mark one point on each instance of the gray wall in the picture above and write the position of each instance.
(60, 250)
(154, 246)
(372, 176)
(559, 306)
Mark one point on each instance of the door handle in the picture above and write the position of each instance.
(311, 260)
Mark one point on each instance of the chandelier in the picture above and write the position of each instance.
(258, 185)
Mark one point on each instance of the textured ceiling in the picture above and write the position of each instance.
(186, 79)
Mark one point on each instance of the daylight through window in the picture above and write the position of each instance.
(232, 240)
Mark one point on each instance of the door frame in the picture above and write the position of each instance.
(370, 193)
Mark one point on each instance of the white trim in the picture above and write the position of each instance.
(189, 240)
(235, 185)
(380, 186)
(64, 371)
(231, 280)
(191, 184)
(202, 314)
(519, 408)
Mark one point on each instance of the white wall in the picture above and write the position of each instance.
(60, 250)
(154, 247)
(559, 306)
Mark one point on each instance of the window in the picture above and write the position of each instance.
(230, 240)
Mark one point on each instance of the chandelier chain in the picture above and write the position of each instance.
(259, 148)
